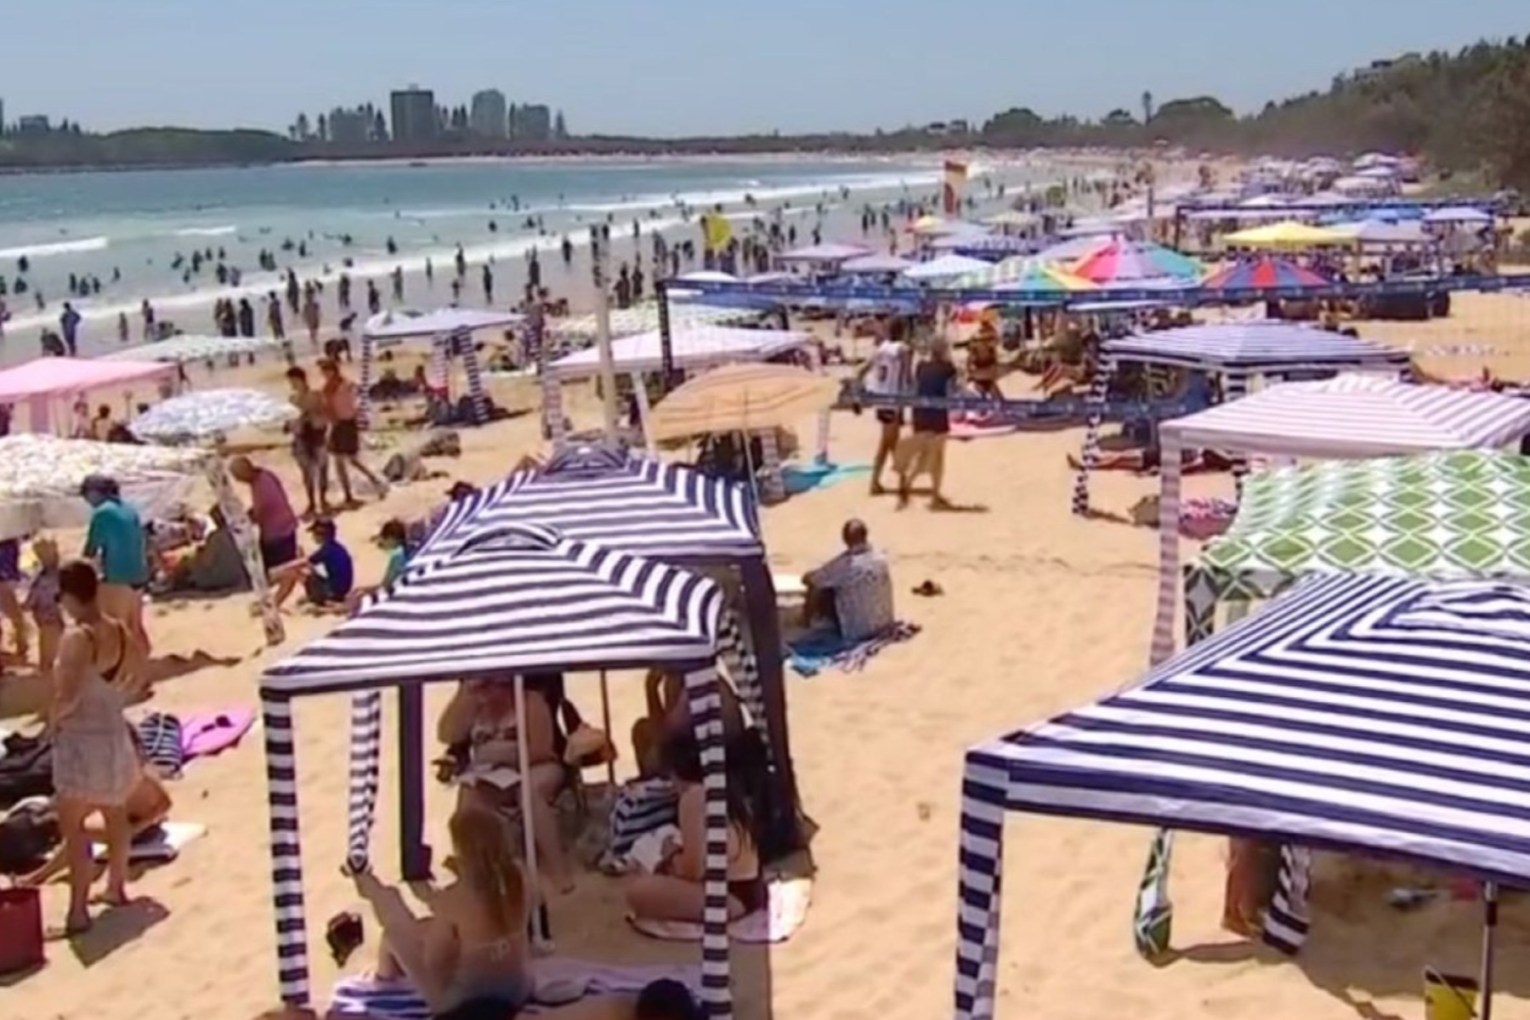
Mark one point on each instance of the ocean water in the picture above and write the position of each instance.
(136, 231)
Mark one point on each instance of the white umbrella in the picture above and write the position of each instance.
(943, 267)
(742, 398)
(207, 414)
(405, 324)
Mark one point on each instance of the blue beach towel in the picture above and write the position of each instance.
(801, 478)
(818, 650)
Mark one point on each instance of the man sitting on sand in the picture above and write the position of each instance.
(853, 590)
(327, 575)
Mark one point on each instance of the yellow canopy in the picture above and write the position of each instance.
(741, 398)
(1286, 234)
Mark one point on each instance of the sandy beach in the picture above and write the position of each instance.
(1041, 611)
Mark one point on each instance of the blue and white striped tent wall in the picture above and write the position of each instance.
(514, 600)
(1236, 350)
(646, 506)
(1383, 715)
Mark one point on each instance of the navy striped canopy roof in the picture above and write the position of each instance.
(1255, 347)
(1380, 714)
(667, 511)
(514, 598)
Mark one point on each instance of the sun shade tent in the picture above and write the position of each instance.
(667, 512)
(1264, 272)
(1352, 417)
(514, 599)
(1247, 734)
(450, 331)
(1238, 351)
(1456, 515)
(40, 479)
(690, 349)
(1287, 234)
(944, 267)
(43, 380)
(828, 253)
(580, 329)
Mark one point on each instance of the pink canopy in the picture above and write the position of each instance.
(50, 377)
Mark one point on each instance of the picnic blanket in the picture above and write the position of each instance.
(818, 650)
(396, 1000)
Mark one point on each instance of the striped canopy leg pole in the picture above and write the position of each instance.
(440, 373)
(821, 443)
(1168, 547)
(773, 485)
(745, 670)
(980, 866)
(368, 368)
(1099, 388)
(1287, 920)
(243, 533)
(286, 853)
(366, 754)
(1237, 389)
(705, 703)
(553, 422)
(474, 370)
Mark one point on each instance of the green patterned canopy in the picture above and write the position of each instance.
(1461, 514)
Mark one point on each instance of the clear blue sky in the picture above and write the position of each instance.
(670, 67)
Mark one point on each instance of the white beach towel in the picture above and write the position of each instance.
(387, 1000)
(157, 846)
(785, 911)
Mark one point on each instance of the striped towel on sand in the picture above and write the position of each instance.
(813, 653)
(381, 1000)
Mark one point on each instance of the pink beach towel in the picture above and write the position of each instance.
(208, 733)
(783, 914)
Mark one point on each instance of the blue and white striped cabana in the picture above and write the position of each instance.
(668, 512)
(1378, 715)
(515, 599)
(450, 331)
(1238, 351)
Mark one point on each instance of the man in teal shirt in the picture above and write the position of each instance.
(115, 539)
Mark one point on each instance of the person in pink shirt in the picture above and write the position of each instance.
(270, 510)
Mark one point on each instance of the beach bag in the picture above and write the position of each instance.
(27, 835)
(159, 735)
(21, 930)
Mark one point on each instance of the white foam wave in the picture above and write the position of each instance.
(736, 193)
(40, 251)
(206, 231)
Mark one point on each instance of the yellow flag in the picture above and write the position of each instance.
(718, 230)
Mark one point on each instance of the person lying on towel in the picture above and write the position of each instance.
(147, 805)
(675, 891)
(853, 591)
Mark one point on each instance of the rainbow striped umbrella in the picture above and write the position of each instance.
(1023, 273)
(1264, 272)
(1123, 262)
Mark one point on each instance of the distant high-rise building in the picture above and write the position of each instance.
(487, 114)
(532, 122)
(414, 114)
(349, 127)
(36, 124)
(2, 117)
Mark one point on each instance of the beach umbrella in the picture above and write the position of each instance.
(1459, 214)
(1264, 272)
(1122, 261)
(957, 239)
(873, 264)
(1017, 218)
(1019, 273)
(1286, 234)
(407, 323)
(706, 276)
(742, 398)
(1378, 233)
(944, 267)
(1073, 249)
(934, 226)
(207, 414)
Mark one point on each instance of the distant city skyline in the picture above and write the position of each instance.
(691, 67)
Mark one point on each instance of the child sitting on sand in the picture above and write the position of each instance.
(42, 603)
